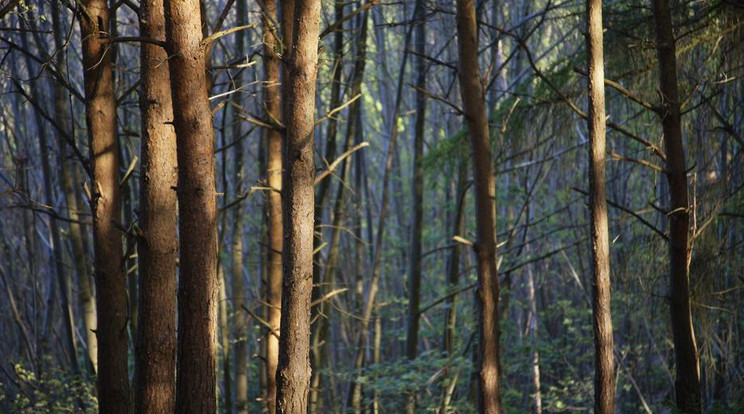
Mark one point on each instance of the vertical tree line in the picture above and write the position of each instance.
(302, 206)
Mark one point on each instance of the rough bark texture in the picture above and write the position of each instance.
(197, 289)
(293, 371)
(687, 382)
(414, 274)
(272, 105)
(474, 105)
(604, 376)
(155, 351)
(100, 111)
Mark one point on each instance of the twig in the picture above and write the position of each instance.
(338, 160)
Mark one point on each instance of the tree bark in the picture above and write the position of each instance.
(197, 290)
(238, 290)
(100, 108)
(417, 186)
(687, 382)
(272, 106)
(473, 98)
(604, 376)
(155, 351)
(293, 370)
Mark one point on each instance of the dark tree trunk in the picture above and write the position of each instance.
(474, 104)
(100, 107)
(293, 370)
(414, 274)
(155, 350)
(197, 289)
(687, 383)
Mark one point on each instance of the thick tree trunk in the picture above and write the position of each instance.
(155, 351)
(604, 376)
(197, 289)
(293, 370)
(417, 186)
(687, 383)
(100, 107)
(474, 104)
(272, 106)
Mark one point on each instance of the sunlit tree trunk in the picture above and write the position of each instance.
(155, 351)
(687, 382)
(487, 297)
(100, 107)
(272, 106)
(197, 289)
(604, 375)
(293, 370)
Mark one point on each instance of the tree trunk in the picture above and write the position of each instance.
(604, 376)
(155, 352)
(473, 98)
(687, 383)
(100, 108)
(238, 290)
(414, 274)
(293, 370)
(272, 106)
(197, 290)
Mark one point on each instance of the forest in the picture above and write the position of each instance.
(369, 206)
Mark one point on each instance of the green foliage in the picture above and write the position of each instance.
(54, 391)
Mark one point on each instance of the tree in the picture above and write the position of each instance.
(687, 381)
(197, 288)
(293, 371)
(414, 275)
(474, 105)
(155, 350)
(272, 106)
(604, 376)
(100, 110)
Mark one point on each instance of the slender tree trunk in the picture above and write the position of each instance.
(197, 290)
(414, 274)
(100, 108)
(453, 280)
(687, 383)
(487, 296)
(70, 339)
(272, 106)
(224, 331)
(293, 370)
(155, 351)
(238, 290)
(354, 395)
(604, 376)
(80, 252)
(534, 338)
